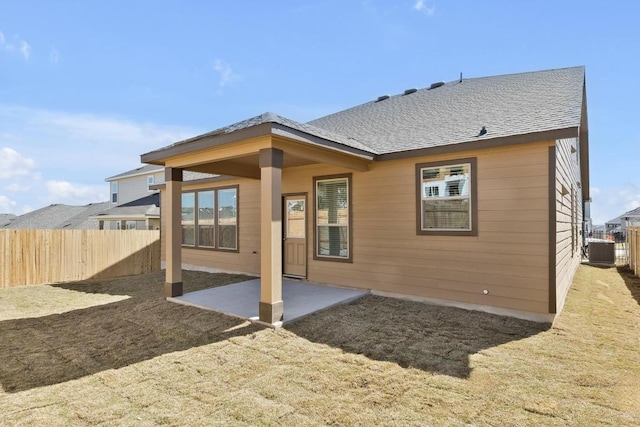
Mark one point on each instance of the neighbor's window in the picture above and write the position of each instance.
(446, 197)
(150, 181)
(210, 219)
(333, 217)
(114, 192)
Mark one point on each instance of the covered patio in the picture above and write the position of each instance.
(241, 299)
(258, 149)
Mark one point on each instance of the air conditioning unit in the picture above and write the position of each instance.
(602, 252)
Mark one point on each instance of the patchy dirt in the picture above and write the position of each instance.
(114, 352)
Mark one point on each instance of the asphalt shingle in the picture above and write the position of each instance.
(455, 112)
(452, 113)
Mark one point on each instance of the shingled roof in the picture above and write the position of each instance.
(59, 216)
(439, 115)
(455, 112)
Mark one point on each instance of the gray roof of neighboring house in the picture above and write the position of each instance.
(452, 113)
(145, 206)
(6, 219)
(633, 213)
(138, 171)
(59, 216)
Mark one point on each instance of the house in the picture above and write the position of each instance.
(6, 219)
(618, 225)
(59, 216)
(468, 193)
(134, 201)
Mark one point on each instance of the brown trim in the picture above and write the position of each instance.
(271, 158)
(172, 174)
(583, 141)
(306, 231)
(221, 137)
(209, 180)
(207, 140)
(304, 137)
(473, 161)
(173, 289)
(571, 132)
(195, 236)
(317, 257)
(271, 312)
(552, 229)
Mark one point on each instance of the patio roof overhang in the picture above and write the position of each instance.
(261, 152)
(237, 153)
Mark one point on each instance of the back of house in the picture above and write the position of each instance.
(468, 193)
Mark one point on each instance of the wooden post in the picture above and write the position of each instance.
(173, 234)
(271, 307)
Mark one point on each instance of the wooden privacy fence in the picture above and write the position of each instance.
(633, 245)
(29, 257)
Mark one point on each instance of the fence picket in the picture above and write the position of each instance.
(29, 257)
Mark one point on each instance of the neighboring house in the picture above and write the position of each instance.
(619, 224)
(468, 193)
(134, 184)
(59, 216)
(134, 200)
(6, 219)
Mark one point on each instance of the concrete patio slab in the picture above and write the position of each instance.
(241, 299)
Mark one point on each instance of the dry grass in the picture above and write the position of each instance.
(80, 354)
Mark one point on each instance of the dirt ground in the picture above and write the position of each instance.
(113, 352)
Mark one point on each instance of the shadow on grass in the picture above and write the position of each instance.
(632, 281)
(41, 351)
(413, 335)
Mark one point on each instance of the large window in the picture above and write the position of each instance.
(210, 219)
(333, 217)
(447, 197)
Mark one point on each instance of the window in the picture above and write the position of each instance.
(333, 217)
(188, 218)
(446, 197)
(227, 219)
(206, 219)
(210, 219)
(114, 192)
(150, 181)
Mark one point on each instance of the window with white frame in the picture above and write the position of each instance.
(210, 218)
(333, 217)
(150, 181)
(446, 193)
(114, 192)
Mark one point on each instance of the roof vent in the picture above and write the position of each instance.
(410, 91)
(436, 85)
(382, 98)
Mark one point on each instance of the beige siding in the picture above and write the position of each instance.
(568, 216)
(508, 258)
(247, 259)
(135, 187)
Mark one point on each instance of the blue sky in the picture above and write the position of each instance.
(88, 86)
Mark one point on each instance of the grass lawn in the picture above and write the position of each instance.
(113, 352)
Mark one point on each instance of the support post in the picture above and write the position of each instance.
(172, 211)
(271, 307)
